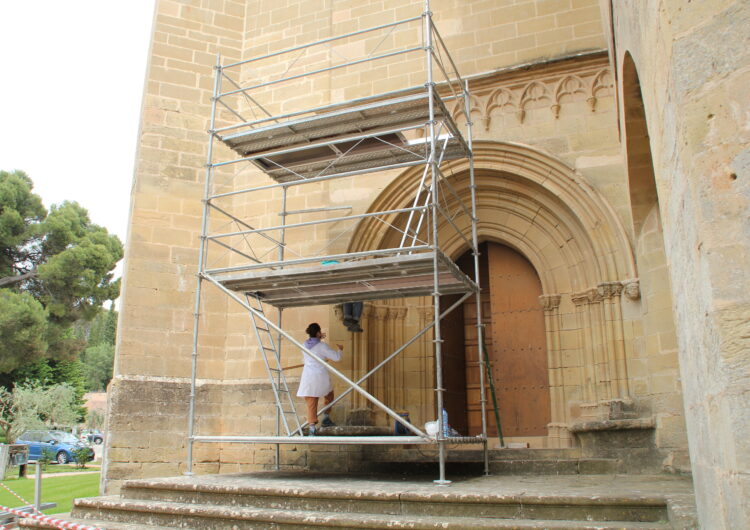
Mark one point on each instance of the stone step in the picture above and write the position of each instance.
(579, 466)
(435, 502)
(108, 510)
(105, 525)
(502, 461)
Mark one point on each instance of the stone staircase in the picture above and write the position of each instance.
(299, 500)
(501, 461)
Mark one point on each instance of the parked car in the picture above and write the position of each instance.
(94, 436)
(61, 444)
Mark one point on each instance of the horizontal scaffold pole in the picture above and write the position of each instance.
(322, 70)
(311, 223)
(324, 41)
(317, 110)
(317, 259)
(314, 180)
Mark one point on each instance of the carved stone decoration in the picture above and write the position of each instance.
(594, 295)
(603, 85)
(609, 289)
(569, 86)
(550, 301)
(500, 99)
(632, 288)
(517, 96)
(580, 298)
(535, 92)
(475, 107)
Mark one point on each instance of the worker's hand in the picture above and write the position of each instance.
(341, 347)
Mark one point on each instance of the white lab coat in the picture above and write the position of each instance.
(315, 381)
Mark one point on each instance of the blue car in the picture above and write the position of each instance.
(60, 444)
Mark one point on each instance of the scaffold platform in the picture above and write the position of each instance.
(369, 279)
(365, 137)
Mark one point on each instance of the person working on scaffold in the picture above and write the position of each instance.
(315, 381)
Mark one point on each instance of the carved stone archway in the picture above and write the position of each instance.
(534, 203)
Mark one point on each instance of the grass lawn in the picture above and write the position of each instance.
(58, 468)
(61, 489)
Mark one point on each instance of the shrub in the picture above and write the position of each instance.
(47, 456)
(81, 455)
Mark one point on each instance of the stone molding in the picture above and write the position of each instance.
(516, 96)
(613, 425)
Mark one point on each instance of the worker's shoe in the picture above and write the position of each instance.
(312, 429)
(355, 327)
(327, 422)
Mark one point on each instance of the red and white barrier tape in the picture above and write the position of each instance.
(59, 523)
(17, 496)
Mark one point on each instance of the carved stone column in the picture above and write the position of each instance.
(611, 302)
(586, 340)
(602, 369)
(557, 428)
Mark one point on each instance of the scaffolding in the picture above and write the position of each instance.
(409, 127)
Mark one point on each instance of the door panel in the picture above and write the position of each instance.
(454, 365)
(518, 350)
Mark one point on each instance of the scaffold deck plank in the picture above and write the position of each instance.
(370, 279)
(364, 136)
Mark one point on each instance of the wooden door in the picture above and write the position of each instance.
(471, 345)
(518, 352)
(454, 364)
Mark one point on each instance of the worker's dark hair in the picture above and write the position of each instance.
(313, 329)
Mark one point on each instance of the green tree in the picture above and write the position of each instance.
(31, 406)
(55, 269)
(98, 362)
(99, 356)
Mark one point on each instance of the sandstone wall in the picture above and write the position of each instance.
(693, 64)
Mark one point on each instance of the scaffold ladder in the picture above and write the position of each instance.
(269, 348)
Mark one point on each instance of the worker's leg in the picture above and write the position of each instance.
(326, 418)
(312, 409)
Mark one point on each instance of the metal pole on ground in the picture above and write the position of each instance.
(38, 487)
(436, 285)
(201, 264)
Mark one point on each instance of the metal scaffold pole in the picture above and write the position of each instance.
(279, 336)
(437, 337)
(478, 295)
(201, 265)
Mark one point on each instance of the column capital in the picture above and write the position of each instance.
(550, 301)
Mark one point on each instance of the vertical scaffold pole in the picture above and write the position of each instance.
(478, 297)
(201, 264)
(278, 340)
(433, 210)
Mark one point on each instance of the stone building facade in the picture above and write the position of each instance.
(612, 166)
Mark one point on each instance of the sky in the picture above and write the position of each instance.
(71, 85)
